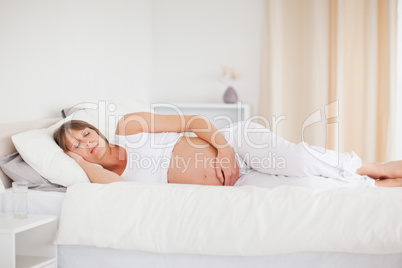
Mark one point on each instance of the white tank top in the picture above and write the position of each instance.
(148, 155)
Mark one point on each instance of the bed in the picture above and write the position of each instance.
(376, 250)
(48, 202)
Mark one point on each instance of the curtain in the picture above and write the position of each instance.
(328, 73)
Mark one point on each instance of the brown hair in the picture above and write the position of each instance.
(60, 134)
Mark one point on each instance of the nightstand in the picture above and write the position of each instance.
(220, 114)
(28, 242)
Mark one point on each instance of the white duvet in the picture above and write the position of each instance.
(245, 221)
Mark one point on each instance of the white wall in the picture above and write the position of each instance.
(54, 54)
(193, 38)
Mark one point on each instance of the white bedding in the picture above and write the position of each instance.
(39, 202)
(242, 221)
(72, 256)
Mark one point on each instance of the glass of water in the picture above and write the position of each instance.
(20, 203)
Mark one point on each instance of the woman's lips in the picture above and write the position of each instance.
(94, 148)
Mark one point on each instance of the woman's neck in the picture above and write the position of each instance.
(116, 158)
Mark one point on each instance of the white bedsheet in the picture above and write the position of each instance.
(313, 182)
(242, 221)
(39, 202)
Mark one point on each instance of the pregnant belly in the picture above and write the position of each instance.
(192, 162)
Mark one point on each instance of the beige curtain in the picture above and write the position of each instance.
(329, 67)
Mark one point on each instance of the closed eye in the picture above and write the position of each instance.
(84, 134)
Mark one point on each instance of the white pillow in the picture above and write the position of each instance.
(41, 152)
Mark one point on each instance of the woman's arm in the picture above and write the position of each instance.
(96, 174)
(226, 166)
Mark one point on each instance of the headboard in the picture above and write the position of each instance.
(6, 144)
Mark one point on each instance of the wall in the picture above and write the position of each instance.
(192, 39)
(54, 54)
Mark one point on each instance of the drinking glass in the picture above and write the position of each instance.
(20, 203)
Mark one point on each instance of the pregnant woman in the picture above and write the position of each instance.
(153, 148)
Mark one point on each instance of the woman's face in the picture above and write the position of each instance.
(86, 143)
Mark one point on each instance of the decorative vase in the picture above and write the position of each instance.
(230, 96)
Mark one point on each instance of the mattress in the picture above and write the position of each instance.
(83, 256)
(39, 202)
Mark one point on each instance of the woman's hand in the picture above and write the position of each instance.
(226, 166)
(95, 173)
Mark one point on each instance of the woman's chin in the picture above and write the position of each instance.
(98, 152)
